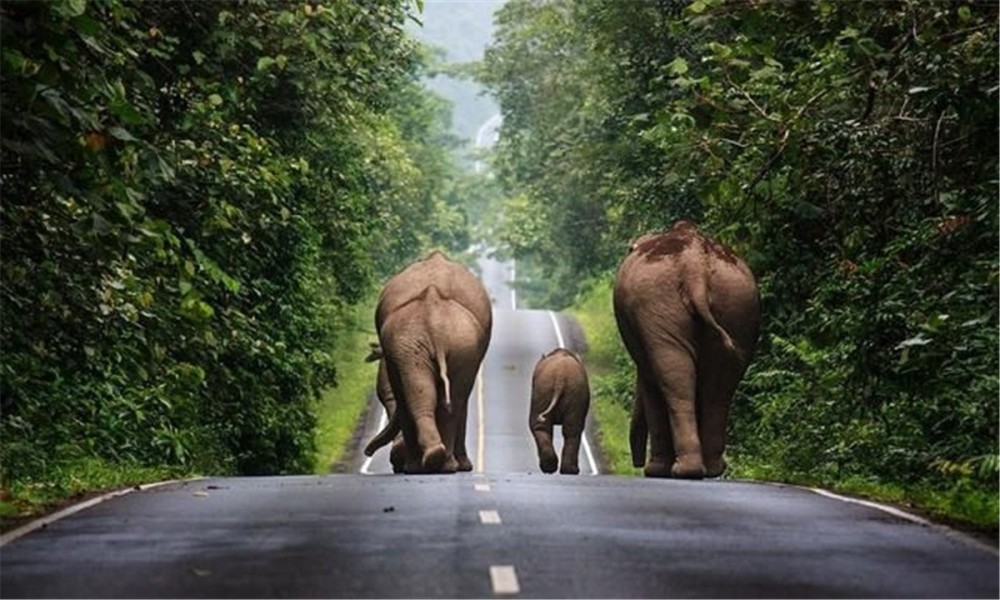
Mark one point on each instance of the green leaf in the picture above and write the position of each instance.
(678, 66)
(215, 100)
(199, 57)
(69, 9)
(265, 62)
(121, 134)
(281, 61)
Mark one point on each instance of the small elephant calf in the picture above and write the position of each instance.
(560, 395)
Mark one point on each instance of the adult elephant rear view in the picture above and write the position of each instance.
(434, 322)
(688, 311)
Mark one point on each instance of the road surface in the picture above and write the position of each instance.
(505, 530)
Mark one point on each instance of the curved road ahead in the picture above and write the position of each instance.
(504, 530)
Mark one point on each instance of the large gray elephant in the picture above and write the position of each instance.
(688, 311)
(434, 322)
(560, 395)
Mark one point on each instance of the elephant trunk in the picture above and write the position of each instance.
(385, 436)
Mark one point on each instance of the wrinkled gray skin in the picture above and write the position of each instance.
(383, 391)
(689, 313)
(434, 322)
(560, 395)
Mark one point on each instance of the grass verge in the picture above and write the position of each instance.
(593, 311)
(339, 408)
(72, 482)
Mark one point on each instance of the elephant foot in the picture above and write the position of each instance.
(450, 465)
(434, 458)
(397, 457)
(548, 462)
(464, 464)
(715, 468)
(657, 468)
(688, 467)
(569, 469)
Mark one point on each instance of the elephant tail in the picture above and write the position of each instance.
(699, 299)
(555, 400)
(385, 436)
(442, 364)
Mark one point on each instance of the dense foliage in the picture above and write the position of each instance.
(194, 193)
(847, 150)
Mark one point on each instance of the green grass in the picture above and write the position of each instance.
(339, 408)
(963, 504)
(72, 481)
(593, 311)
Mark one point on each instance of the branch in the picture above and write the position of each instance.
(934, 158)
(784, 142)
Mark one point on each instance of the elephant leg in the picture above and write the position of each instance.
(397, 455)
(675, 374)
(638, 435)
(462, 387)
(410, 453)
(420, 387)
(717, 383)
(548, 462)
(570, 464)
(661, 447)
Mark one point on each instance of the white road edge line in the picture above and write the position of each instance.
(586, 444)
(503, 578)
(366, 467)
(889, 509)
(481, 424)
(944, 529)
(513, 278)
(14, 534)
(489, 517)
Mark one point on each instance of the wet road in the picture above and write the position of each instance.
(503, 531)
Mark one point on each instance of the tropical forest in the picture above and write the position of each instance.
(200, 201)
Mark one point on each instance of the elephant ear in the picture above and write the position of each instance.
(385, 436)
(375, 354)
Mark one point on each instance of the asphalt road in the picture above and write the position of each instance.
(505, 530)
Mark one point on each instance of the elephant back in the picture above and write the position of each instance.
(678, 278)
(452, 280)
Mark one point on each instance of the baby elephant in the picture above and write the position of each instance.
(560, 395)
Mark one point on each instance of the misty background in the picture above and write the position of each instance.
(460, 31)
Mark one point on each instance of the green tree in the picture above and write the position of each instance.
(848, 151)
(193, 192)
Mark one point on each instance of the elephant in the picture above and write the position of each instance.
(688, 311)
(560, 395)
(434, 322)
(383, 391)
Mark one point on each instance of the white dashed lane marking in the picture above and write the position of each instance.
(489, 517)
(504, 580)
(482, 487)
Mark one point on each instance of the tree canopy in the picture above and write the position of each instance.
(193, 192)
(847, 150)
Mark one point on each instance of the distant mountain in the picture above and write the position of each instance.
(462, 29)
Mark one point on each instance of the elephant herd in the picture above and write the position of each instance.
(688, 312)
